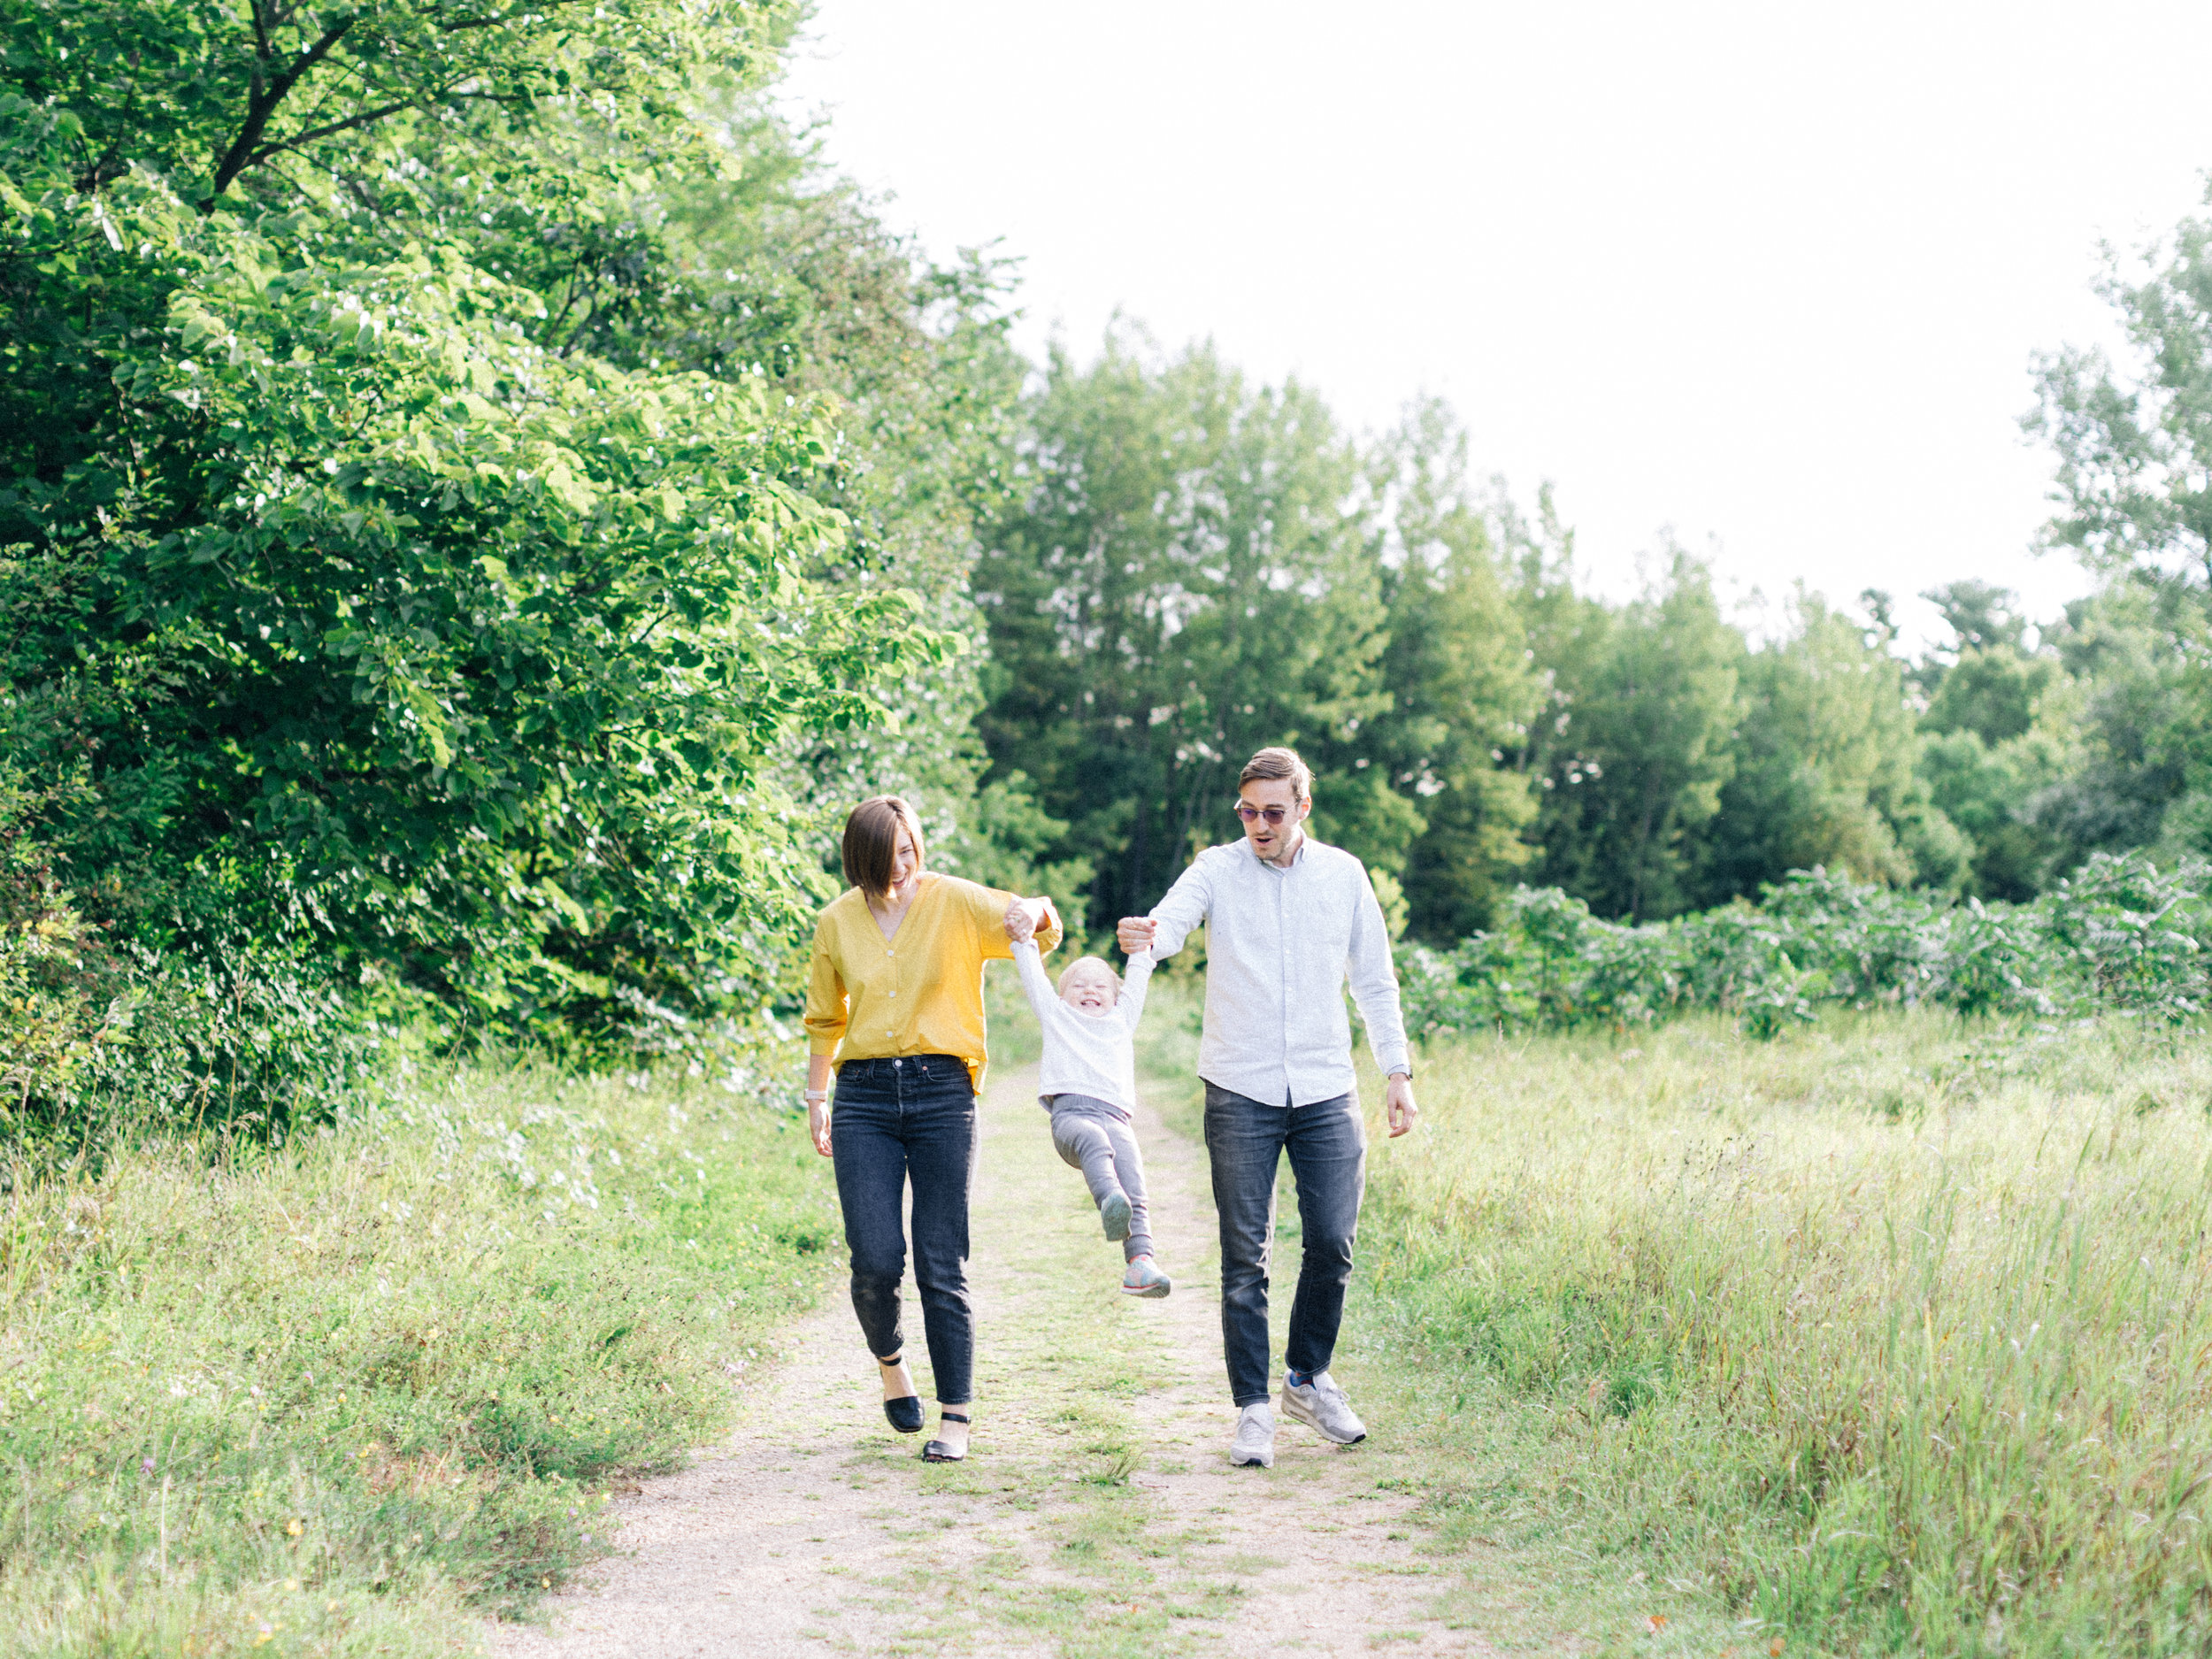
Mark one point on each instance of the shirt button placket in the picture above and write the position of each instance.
(1282, 944)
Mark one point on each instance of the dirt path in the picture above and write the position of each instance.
(1097, 1515)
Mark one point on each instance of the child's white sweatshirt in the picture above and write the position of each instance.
(1086, 1053)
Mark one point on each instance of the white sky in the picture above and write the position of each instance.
(1769, 275)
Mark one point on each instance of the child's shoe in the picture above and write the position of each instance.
(1113, 1212)
(1145, 1278)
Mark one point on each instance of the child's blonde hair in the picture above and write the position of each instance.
(1061, 985)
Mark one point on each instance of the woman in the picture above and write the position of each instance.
(895, 1004)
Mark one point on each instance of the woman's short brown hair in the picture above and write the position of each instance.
(871, 841)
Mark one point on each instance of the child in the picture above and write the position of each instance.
(1089, 1082)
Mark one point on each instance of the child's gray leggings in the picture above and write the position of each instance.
(1097, 1139)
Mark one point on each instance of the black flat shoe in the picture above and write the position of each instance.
(905, 1412)
(937, 1451)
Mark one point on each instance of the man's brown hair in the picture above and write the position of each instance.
(1272, 763)
(871, 841)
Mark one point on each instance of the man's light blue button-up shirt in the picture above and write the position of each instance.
(1280, 943)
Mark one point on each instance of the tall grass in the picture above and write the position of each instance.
(335, 1396)
(1895, 1332)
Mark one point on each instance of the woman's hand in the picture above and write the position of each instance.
(818, 1112)
(1021, 920)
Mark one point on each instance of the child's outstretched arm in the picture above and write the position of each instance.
(1021, 926)
(1135, 976)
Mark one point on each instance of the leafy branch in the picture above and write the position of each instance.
(263, 97)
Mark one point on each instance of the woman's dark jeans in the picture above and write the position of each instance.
(912, 1117)
(1246, 1139)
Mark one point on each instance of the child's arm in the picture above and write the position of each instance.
(1036, 983)
(1135, 978)
(1021, 928)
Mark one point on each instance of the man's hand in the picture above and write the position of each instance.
(1021, 921)
(1398, 1105)
(817, 1124)
(1135, 934)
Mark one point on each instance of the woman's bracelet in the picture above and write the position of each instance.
(816, 1096)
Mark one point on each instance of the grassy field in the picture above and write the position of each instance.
(330, 1397)
(1889, 1336)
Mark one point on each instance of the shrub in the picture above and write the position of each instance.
(61, 988)
(2121, 936)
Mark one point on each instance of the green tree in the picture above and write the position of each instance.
(2134, 725)
(1636, 741)
(1996, 735)
(1462, 692)
(2134, 441)
(1990, 791)
(785, 266)
(1993, 691)
(1181, 579)
(381, 583)
(1824, 773)
(2133, 444)
(1980, 615)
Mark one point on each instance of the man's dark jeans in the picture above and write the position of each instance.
(893, 1120)
(1327, 1145)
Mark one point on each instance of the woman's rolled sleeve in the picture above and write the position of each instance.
(987, 912)
(827, 1005)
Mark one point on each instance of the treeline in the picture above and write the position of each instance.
(477, 499)
(1195, 566)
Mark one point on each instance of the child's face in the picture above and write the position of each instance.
(1088, 987)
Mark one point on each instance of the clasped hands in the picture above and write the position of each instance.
(1025, 916)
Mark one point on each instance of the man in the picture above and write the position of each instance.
(1287, 920)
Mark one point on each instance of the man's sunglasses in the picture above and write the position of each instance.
(1272, 814)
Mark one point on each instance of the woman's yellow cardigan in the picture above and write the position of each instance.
(918, 992)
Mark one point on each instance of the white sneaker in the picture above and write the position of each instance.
(1321, 1406)
(1255, 1445)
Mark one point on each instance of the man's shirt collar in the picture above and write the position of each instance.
(1296, 859)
